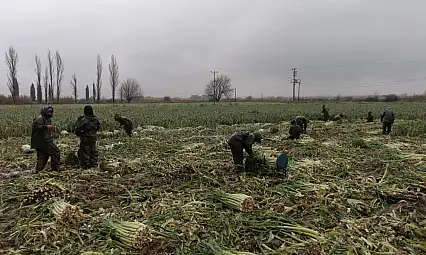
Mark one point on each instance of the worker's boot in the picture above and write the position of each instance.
(239, 168)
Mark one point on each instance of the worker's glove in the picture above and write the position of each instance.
(50, 128)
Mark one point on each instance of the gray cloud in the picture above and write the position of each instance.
(170, 46)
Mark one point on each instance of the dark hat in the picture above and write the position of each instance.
(88, 110)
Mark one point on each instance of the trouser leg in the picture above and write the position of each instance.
(55, 156)
(84, 155)
(42, 158)
(237, 155)
(93, 160)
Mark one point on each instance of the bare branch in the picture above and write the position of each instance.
(220, 88)
(98, 77)
(46, 83)
(130, 89)
(113, 79)
(59, 75)
(51, 68)
(12, 66)
(74, 86)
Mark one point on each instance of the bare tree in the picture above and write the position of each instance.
(113, 79)
(32, 92)
(46, 84)
(74, 86)
(87, 93)
(130, 89)
(59, 75)
(38, 73)
(216, 90)
(51, 68)
(98, 77)
(12, 66)
(94, 93)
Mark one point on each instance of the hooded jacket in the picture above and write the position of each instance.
(87, 126)
(387, 116)
(40, 135)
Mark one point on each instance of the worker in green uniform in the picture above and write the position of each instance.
(42, 140)
(337, 117)
(240, 141)
(325, 114)
(125, 123)
(301, 121)
(370, 117)
(387, 118)
(87, 128)
(295, 131)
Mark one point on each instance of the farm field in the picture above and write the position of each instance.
(349, 189)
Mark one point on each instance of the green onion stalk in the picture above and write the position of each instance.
(240, 202)
(134, 235)
(223, 252)
(67, 214)
(91, 253)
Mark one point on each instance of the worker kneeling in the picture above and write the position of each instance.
(294, 132)
(240, 141)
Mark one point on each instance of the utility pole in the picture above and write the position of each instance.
(214, 76)
(298, 92)
(294, 81)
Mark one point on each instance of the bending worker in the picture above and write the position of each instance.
(240, 141)
(387, 118)
(300, 121)
(125, 123)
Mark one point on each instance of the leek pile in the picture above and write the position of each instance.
(44, 193)
(238, 202)
(134, 235)
(67, 214)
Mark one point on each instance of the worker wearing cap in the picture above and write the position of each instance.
(240, 141)
(42, 140)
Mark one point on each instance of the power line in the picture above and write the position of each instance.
(372, 84)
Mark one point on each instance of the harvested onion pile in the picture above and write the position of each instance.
(134, 235)
(46, 192)
(67, 214)
(240, 202)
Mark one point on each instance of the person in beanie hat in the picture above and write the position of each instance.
(42, 140)
(87, 128)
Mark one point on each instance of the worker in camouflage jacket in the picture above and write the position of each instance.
(387, 118)
(240, 141)
(370, 117)
(125, 123)
(87, 128)
(325, 114)
(300, 121)
(42, 140)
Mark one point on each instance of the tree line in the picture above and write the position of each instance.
(50, 91)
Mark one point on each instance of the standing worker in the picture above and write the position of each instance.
(240, 141)
(325, 114)
(87, 129)
(370, 117)
(125, 123)
(387, 118)
(300, 121)
(42, 140)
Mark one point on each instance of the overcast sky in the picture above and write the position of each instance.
(348, 47)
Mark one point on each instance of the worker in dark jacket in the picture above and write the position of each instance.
(387, 118)
(87, 128)
(337, 117)
(325, 114)
(301, 121)
(125, 123)
(42, 140)
(370, 117)
(240, 141)
(295, 132)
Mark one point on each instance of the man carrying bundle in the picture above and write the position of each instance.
(387, 118)
(125, 123)
(42, 140)
(87, 128)
(370, 117)
(240, 141)
(300, 121)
